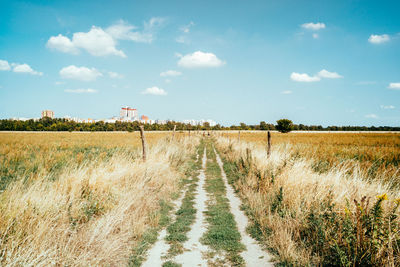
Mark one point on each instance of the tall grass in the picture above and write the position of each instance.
(335, 217)
(377, 154)
(93, 212)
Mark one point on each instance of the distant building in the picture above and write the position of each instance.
(128, 113)
(144, 119)
(48, 114)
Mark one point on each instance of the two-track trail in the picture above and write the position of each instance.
(217, 235)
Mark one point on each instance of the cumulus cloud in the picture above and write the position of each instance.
(287, 92)
(79, 73)
(371, 116)
(394, 86)
(25, 68)
(4, 65)
(313, 26)
(170, 73)
(99, 42)
(387, 107)
(330, 75)
(303, 77)
(81, 91)
(154, 91)
(378, 39)
(63, 44)
(115, 75)
(200, 59)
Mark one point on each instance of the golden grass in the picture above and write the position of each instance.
(96, 208)
(378, 154)
(294, 208)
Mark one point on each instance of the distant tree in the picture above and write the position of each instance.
(284, 125)
(263, 126)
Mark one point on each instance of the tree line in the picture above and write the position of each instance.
(57, 124)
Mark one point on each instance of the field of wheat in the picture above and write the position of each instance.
(84, 199)
(345, 213)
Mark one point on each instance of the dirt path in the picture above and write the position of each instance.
(254, 255)
(195, 253)
(193, 256)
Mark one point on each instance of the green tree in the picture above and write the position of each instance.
(284, 125)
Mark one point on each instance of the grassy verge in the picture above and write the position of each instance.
(313, 218)
(150, 236)
(222, 233)
(186, 215)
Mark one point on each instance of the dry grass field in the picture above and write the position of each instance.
(84, 199)
(319, 198)
(87, 199)
(377, 154)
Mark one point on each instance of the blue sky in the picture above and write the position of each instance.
(315, 62)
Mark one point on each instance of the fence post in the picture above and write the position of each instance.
(173, 133)
(141, 127)
(269, 144)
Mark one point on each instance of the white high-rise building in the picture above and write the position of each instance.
(128, 113)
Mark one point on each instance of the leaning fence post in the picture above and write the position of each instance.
(141, 127)
(269, 144)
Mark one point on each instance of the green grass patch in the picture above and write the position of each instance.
(222, 233)
(186, 215)
(150, 236)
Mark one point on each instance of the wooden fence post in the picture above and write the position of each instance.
(141, 127)
(269, 144)
(173, 133)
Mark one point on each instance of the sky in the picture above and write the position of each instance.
(314, 62)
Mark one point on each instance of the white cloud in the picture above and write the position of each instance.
(25, 68)
(4, 65)
(330, 75)
(371, 116)
(315, 35)
(79, 73)
(200, 59)
(99, 42)
(186, 28)
(81, 91)
(387, 107)
(313, 26)
(63, 44)
(378, 39)
(115, 75)
(154, 91)
(394, 86)
(96, 42)
(304, 77)
(124, 31)
(170, 73)
(287, 92)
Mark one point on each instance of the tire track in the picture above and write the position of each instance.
(254, 255)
